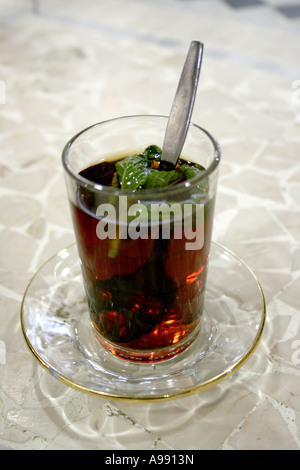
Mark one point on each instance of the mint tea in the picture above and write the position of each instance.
(143, 235)
(145, 293)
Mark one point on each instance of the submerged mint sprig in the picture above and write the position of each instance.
(141, 171)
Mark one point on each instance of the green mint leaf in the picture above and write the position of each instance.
(132, 172)
(115, 183)
(191, 170)
(161, 179)
(152, 152)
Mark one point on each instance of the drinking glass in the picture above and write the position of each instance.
(144, 254)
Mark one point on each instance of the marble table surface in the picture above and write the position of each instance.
(64, 67)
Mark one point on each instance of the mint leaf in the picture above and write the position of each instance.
(161, 179)
(132, 172)
(191, 170)
(152, 152)
(115, 183)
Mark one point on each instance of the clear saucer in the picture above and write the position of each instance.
(56, 326)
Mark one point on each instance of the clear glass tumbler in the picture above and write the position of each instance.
(144, 254)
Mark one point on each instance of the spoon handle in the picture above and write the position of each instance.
(182, 107)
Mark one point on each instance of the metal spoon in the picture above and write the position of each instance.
(182, 108)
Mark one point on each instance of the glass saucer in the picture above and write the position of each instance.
(56, 326)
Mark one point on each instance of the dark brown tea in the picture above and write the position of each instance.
(144, 294)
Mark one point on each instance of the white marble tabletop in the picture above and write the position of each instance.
(63, 67)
